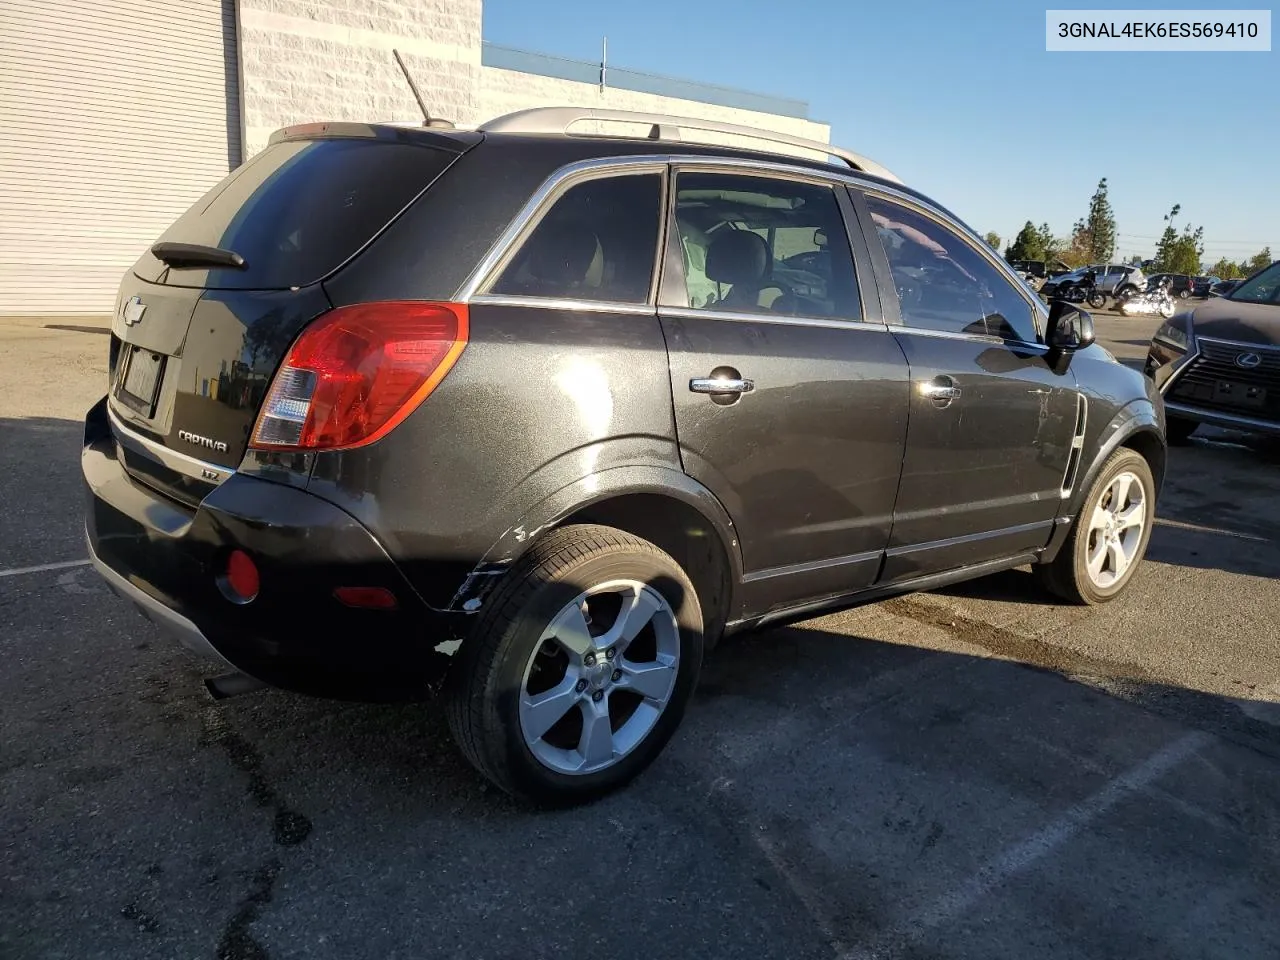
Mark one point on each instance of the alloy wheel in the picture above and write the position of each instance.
(1115, 530)
(600, 676)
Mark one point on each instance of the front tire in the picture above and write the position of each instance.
(1109, 536)
(1097, 300)
(579, 669)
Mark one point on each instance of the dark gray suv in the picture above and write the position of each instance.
(530, 420)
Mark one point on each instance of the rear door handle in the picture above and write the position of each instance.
(721, 385)
(941, 390)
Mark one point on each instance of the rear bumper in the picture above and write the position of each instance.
(167, 558)
(172, 622)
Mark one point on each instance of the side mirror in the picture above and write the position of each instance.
(1070, 328)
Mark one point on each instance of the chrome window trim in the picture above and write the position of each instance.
(536, 207)
(560, 179)
(972, 337)
(666, 164)
(182, 463)
(563, 303)
(780, 319)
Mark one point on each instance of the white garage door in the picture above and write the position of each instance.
(115, 115)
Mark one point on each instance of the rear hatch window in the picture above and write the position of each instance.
(298, 210)
(195, 344)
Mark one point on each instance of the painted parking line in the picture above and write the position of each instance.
(959, 901)
(43, 568)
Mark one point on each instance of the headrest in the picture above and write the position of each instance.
(562, 251)
(737, 256)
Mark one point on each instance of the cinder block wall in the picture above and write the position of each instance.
(332, 60)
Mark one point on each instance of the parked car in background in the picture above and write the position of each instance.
(529, 420)
(1040, 269)
(1219, 363)
(1224, 287)
(1118, 280)
(1201, 285)
(1182, 285)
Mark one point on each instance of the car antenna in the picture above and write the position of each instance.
(427, 119)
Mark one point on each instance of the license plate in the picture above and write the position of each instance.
(140, 380)
(1240, 394)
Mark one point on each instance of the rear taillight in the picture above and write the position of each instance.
(357, 371)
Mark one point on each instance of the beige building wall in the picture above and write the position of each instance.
(333, 60)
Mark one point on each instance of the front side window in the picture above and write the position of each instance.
(943, 283)
(597, 242)
(1264, 288)
(764, 245)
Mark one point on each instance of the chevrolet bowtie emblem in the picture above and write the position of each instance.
(134, 308)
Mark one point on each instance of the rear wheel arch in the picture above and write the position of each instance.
(659, 504)
(680, 530)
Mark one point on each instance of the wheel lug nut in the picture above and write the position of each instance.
(580, 686)
(590, 660)
(598, 696)
(617, 675)
(609, 654)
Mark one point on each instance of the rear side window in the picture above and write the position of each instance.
(764, 245)
(301, 208)
(599, 241)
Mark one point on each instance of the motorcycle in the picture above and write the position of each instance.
(1155, 299)
(1081, 291)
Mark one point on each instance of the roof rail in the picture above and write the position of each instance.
(558, 120)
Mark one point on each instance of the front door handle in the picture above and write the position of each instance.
(941, 390)
(721, 385)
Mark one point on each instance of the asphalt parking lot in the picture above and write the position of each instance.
(974, 773)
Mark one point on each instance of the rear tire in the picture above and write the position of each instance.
(552, 642)
(1178, 431)
(1109, 536)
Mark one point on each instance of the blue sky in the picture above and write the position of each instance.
(959, 100)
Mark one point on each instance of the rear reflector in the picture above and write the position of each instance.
(241, 582)
(357, 372)
(373, 598)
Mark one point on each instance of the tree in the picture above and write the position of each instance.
(993, 239)
(1079, 250)
(1027, 245)
(1164, 249)
(1225, 269)
(1179, 252)
(1097, 232)
(1259, 261)
(1050, 244)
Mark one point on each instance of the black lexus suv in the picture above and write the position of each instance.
(1220, 362)
(529, 420)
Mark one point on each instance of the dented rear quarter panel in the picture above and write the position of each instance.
(540, 402)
